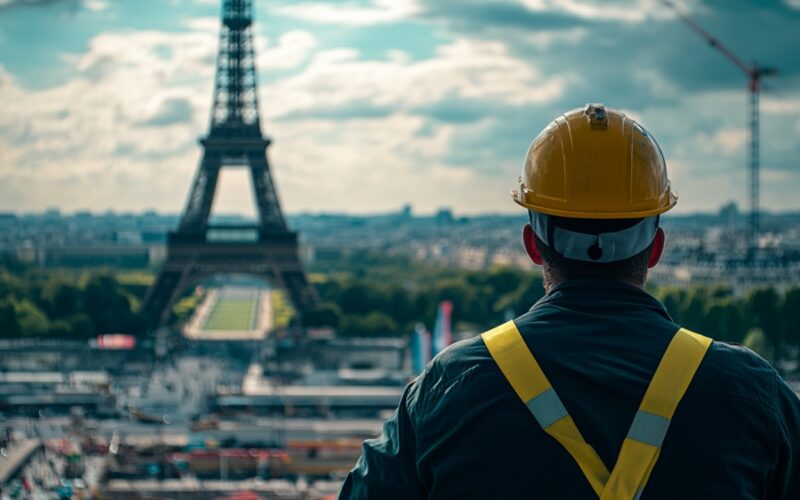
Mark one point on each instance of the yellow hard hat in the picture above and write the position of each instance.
(595, 163)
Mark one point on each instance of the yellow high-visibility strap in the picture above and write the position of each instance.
(641, 448)
(515, 360)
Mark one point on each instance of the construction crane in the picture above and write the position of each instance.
(754, 72)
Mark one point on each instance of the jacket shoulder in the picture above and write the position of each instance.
(460, 357)
(452, 366)
(734, 370)
(460, 380)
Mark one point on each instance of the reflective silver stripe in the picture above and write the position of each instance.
(638, 493)
(648, 428)
(547, 408)
(615, 246)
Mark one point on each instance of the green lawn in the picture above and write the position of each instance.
(233, 311)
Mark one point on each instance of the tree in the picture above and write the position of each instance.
(466, 305)
(374, 324)
(81, 326)
(61, 300)
(10, 286)
(503, 280)
(59, 329)
(32, 320)
(790, 317)
(108, 307)
(357, 298)
(326, 314)
(673, 299)
(724, 321)
(329, 290)
(757, 341)
(529, 292)
(399, 305)
(720, 292)
(693, 309)
(762, 304)
(9, 325)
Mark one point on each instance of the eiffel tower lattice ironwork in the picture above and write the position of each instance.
(197, 249)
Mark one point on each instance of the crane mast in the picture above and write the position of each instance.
(754, 73)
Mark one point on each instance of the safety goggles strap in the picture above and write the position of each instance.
(526, 377)
(642, 446)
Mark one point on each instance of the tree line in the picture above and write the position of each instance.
(363, 297)
(372, 294)
(763, 319)
(361, 305)
(66, 304)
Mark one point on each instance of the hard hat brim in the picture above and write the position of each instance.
(570, 214)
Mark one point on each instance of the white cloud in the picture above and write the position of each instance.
(377, 163)
(545, 40)
(293, 48)
(655, 82)
(730, 140)
(350, 132)
(92, 141)
(630, 11)
(398, 56)
(82, 144)
(464, 69)
(203, 24)
(350, 14)
(704, 139)
(96, 5)
(365, 165)
(781, 105)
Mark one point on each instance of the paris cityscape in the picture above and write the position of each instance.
(168, 332)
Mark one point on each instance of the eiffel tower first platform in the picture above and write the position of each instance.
(196, 249)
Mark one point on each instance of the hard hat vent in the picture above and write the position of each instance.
(598, 118)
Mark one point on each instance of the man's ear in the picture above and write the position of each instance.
(530, 245)
(657, 250)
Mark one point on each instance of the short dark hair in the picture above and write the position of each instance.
(632, 269)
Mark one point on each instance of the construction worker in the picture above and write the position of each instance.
(595, 392)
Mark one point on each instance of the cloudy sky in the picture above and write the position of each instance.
(375, 103)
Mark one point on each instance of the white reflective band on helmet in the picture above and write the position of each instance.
(600, 248)
(547, 408)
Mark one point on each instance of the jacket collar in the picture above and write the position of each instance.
(594, 291)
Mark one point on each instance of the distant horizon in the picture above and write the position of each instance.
(377, 213)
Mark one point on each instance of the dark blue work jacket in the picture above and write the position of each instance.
(460, 431)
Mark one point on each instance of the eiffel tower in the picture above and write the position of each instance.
(196, 249)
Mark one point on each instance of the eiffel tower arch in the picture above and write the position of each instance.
(197, 249)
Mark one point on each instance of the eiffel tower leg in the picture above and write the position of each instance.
(161, 297)
(302, 296)
(198, 207)
(269, 208)
(185, 278)
(284, 270)
(156, 302)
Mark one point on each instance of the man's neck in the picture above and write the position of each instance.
(551, 280)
